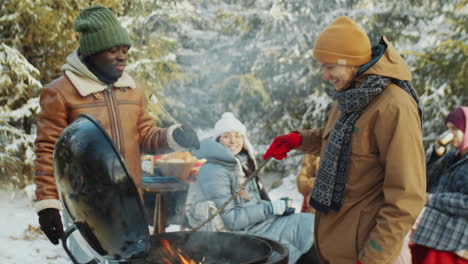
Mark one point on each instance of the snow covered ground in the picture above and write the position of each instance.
(21, 241)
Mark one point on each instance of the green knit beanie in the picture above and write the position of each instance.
(100, 30)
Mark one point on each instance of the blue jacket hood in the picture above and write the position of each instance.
(215, 152)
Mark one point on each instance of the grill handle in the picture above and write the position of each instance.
(64, 238)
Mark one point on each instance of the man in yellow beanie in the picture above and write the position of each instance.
(94, 82)
(370, 186)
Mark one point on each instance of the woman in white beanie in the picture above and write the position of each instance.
(230, 160)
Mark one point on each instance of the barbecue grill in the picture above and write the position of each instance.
(100, 197)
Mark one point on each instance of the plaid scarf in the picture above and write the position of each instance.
(331, 180)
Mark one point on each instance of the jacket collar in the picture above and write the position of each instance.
(390, 64)
(86, 82)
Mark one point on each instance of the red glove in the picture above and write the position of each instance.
(282, 145)
(359, 262)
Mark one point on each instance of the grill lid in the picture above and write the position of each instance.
(98, 193)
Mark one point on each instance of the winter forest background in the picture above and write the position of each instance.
(204, 57)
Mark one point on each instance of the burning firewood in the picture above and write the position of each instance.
(170, 256)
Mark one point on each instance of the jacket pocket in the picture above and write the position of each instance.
(365, 225)
(129, 102)
(361, 142)
(360, 234)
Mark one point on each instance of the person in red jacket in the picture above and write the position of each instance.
(441, 232)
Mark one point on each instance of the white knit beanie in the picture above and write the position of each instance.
(229, 123)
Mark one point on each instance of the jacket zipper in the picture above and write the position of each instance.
(114, 120)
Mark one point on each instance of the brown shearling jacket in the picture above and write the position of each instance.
(120, 109)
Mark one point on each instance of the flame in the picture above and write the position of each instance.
(172, 258)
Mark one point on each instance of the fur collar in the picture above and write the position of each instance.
(86, 82)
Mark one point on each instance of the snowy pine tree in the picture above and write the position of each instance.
(17, 110)
(205, 57)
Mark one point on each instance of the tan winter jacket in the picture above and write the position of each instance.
(386, 175)
(120, 109)
(306, 177)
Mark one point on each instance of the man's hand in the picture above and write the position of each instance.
(51, 224)
(186, 137)
(281, 145)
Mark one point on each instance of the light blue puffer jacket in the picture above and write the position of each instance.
(217, 181)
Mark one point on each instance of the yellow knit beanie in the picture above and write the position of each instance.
(343, 42)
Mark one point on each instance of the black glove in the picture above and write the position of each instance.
(186, 137)
(51, 224)
(282, 207)
(289, 209)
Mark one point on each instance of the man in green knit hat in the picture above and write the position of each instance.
(94, 82)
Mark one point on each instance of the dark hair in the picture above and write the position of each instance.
(250, 161)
